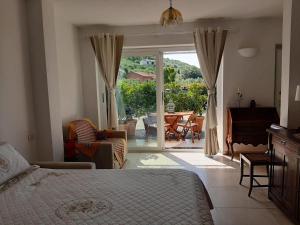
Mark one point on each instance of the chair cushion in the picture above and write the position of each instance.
(101, 135)
(11, 163)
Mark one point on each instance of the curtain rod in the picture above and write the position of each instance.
(169, 33)
(154, 33)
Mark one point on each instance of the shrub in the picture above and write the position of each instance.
(140, 97)
(187, 97)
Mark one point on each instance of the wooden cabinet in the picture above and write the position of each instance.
(285, 171)
(248, 125)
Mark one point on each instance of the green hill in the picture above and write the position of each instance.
(138, 64)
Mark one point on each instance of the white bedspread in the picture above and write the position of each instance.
(110, 197)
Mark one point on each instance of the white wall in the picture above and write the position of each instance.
(45, 82)
(17, 118)
(290, 109)
(69, 69)
(254, 76)
(89, 82)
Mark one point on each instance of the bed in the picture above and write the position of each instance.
(89, 196)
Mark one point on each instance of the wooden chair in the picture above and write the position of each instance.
(189, 125)
(199, 121)
(167, 128)
(255, 159)
(171, 126)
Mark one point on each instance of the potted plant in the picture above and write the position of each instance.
(130, 122)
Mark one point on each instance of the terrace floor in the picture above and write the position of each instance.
(141, 140)
(173, 143)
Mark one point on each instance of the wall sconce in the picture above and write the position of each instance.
(297, 97)
(248, 52)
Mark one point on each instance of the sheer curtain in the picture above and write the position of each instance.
(108, 51)
(209, 45)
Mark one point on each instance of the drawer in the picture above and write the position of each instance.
(282, 144)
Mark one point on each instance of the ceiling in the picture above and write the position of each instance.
(139, 12)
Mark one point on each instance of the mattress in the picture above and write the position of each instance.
(110, 197)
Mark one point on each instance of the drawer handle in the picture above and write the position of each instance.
(283, 142)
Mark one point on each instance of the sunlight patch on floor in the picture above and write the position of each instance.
(177, 160)
(158, 159)
(200, 160)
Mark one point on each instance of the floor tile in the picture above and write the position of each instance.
(221, 178)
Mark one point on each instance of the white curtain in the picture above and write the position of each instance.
(108, 51)
(209, 45)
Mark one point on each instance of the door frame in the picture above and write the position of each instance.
(158, 53)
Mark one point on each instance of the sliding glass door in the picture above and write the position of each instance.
(139, 101)
(149, 82)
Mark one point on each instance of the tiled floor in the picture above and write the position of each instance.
(172, 143)
(220, 176)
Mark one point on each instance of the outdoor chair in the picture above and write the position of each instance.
(199, 121)
(150, 124)
(183, 127)
(171, 127)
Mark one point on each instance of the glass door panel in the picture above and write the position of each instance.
(136, 95)
(185, 97)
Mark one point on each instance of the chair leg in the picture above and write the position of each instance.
(251, 180)
(232, 151)
(147, 133)
(242, 171)
(268, 174)
(193, 138)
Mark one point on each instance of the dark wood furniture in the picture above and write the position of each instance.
(284, 187)
(255, 159)
(248, 126)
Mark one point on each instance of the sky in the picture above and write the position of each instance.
(189, 58)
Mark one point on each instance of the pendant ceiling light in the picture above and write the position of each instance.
(170, 16)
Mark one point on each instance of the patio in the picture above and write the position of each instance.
(142, 140)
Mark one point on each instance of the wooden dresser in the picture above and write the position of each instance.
(284, 187)
(248, 125)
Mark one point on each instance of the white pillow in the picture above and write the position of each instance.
(11, 162)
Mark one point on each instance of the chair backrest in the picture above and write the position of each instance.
(82, 131)
(191, 119)
(152, 119)
(146, 122)
(199, 122)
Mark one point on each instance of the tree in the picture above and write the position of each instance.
(138, 97)
(191, 72)
(169, 74)
(191, 97)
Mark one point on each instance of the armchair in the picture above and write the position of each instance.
(107, 149)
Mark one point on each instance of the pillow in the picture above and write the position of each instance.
(101, 135)
(11, 162)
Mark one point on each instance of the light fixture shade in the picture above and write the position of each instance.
(297, 97)
(247, 52)
(171, 16)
